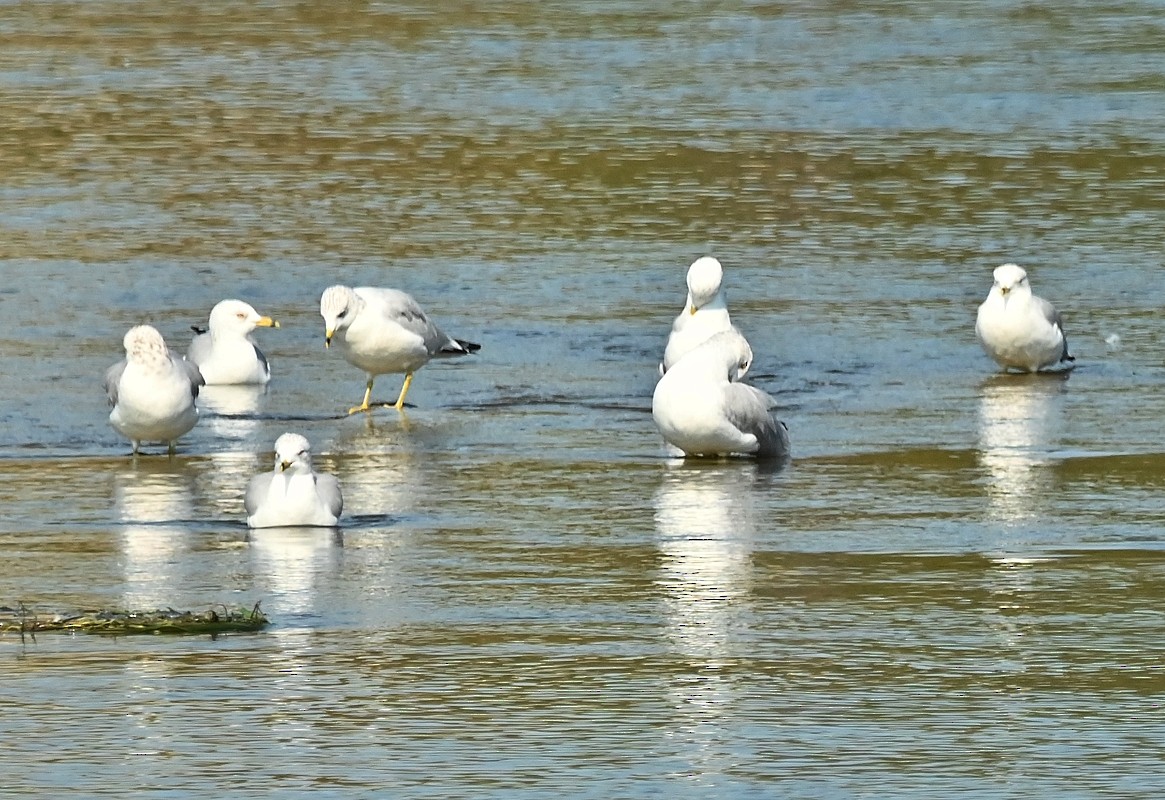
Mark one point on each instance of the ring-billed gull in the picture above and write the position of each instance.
(1018, 329)
(384, 331)
(292, 494)
(152, 392)
(705, 312)
(224, 352)
(701, 408)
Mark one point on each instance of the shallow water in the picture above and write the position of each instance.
(953, 588)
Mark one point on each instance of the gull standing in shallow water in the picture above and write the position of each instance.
(292, 494)
(152, 392)
(384, 331)
(700, 407)
(705, 313)
(224, 353)
(1016, 328)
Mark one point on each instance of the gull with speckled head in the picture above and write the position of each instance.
(1018, 329)
(701, 407)
(705, 312)
(152, 391)
(224, 352)
(384, 331)
(293, 494)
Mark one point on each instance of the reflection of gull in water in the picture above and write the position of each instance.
(225, 480)
(231, 400)
(145, 684)
(383, 470)
(233, 410)
(152, 506)
(1018, 421)
(1011, 583)
(705, 526)
(704, 521)
(289, 563)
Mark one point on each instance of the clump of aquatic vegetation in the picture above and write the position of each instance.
(219, 619)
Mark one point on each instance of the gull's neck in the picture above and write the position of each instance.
(715, 302)
(1017, 297)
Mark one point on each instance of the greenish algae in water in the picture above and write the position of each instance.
(23, 620)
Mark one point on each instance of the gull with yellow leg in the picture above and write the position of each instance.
(384, 331)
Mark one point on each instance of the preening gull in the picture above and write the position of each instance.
(705, 313)
(701, 408)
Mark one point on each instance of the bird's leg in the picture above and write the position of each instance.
(136, 445)
(367, 394)
(173, 448)
(400, 401)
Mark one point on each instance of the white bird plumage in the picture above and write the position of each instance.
(705, 312)
(225, 353)
(152, 392)
(384, 331)
(700, 407)
(292, 494)
(1018, 329)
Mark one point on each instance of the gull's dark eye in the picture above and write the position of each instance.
(342, 314)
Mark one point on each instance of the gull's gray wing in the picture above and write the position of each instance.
(112, 379)
(402, 309)
(256, 491)
(1049, 311)
(200, 347)
(747, 408)
(329, 491)
(190, 369)
(1053, 317)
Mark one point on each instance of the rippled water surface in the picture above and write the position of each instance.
(954, 589)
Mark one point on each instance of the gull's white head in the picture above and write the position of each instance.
(338, 305)
(727, 353)
(1011, 279)
(704, 277)
(739, 358)
(235, 316)
(143, 344)
(293, 452)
